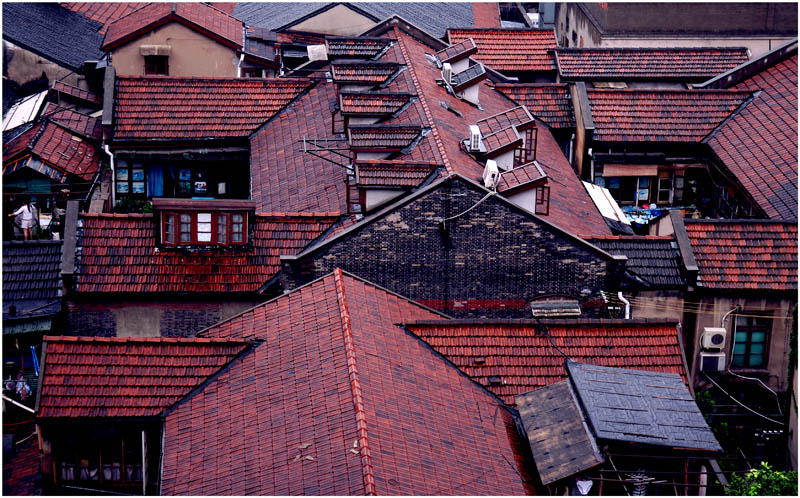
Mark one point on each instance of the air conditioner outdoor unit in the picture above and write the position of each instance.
(474, 138)
(712, 362)
(714, 337)
(491, 174)
(447, 72)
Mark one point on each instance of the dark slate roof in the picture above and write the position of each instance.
(32, 276)
(653, 259)
(559, 438)
(636, 406)
(434, 17)
(53, 32)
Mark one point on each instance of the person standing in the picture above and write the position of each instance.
(28, 216)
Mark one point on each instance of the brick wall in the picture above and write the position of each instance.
(489, 262)
(148, 318)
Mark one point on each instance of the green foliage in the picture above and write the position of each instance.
(763, 481)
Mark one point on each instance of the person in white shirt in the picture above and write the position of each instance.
(28, 219)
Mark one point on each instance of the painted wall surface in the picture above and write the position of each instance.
(378, 196)
(580, 152)
(339, 20)
(712, 309)
(22, 66)
(756, 45)
(144, 318)
(525, 199)
(492, 261)
(192, 53)
(658, 304)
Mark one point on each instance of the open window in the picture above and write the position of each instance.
(196, 222)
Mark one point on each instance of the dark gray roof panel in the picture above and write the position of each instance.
(53, 32)
(433, 17)
(655, 260)
(32, 276)
(560, 441)
(640, 407)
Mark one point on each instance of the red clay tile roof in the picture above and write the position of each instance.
(126, 376)
(393, 173)
(82, 124)
(647, 63)
(291, 37)
(522, 175)
(21, 476)
(76, 92)
(338, 400)
(203, 18)
(457, 50)
(517, 116)
(158, 108)
(372, 103)
(759, 144)
(501, 141)
(510, 49)
(525, 360)
(550, 102)
(382, 137)
(118, 254)
(363, 71)
(355, 47)
(468, 77)
(661, 115)
(66, 152)
(103, 12)
(745, 254)
(486, 14)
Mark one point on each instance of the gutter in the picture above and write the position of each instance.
(113, 176)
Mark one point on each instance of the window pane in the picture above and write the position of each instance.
(741, 337)
(186, 227)
(169, 228)
(758, 337)
(222, 229)
(204, 227)
(740, 348)
(757, 348)
(186, 218)
(738, 360)
(756, 360)
(204, 237)
(204, 217)
(238, 218)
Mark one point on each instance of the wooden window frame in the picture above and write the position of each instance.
(542, 204)
(749, 328)
(154, 62)
(193, 223)
(75, 460)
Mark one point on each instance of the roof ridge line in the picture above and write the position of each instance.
(422, 100)
(711, 134)
(355, 385)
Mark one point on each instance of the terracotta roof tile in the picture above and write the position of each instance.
(468, 77)
(393, 173)
(510, 49)
(661, 115)
(355, 47)
(759, 144)
(82, 124)
(339, 400)
(363, 71)
(516, 116)
(60, 86)
(126, 377)
(118, 254)
(372, 103)
(194, 108)
(103, 12)
(201, 17)
(550, 102)
(531, 172)
(647, 63)
(525, 360)
(502, 140)
(751, 254)
(382, 137)
(457, 51)
(486, 14)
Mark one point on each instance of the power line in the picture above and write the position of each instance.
(740, 403)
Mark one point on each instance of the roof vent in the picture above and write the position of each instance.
(491, 175)
(447, 72)
(495, 380)
(474, 138)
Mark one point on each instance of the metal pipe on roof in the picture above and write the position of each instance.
(627, 305)
(113, 176)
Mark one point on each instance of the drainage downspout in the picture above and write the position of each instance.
(627, 305)
(239, 66)
(113, 177)
(591, 166)
(571, 147)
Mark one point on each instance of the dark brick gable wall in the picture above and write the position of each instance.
(490, 262)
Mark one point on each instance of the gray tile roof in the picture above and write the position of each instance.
(559, 438)
(53, 32)
(640, 407)
(434, 17)
(32, 276)
(655, 260)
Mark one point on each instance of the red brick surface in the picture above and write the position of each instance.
(195, 108)
(340, 400)
(759, 145)
(198, 16)
(525, 360)
(647, 63)
(118, 254)
(510, 49)
(661, 115)
(550, 102)
(759, 255)
(126, 377)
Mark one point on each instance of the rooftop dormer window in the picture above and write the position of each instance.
(195, 222)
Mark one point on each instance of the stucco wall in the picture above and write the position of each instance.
(22, 66)
(339, 20)
(192, 53)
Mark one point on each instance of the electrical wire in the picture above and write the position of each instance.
(468, 209)
(740, 403)
(693, 308)
(730, 362)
